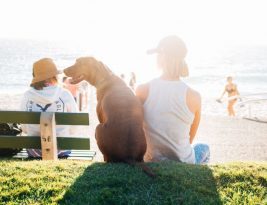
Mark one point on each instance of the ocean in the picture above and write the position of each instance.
(208, 70)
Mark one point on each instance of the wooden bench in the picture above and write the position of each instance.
(48, 142)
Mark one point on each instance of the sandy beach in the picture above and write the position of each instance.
(230, 139)
(233, 139)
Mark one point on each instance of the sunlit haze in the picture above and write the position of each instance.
(120, 32)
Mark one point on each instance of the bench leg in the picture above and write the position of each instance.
(48, 136)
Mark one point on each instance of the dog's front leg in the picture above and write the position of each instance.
(100, 136)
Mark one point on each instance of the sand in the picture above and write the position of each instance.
(233, 139)
(230, 139)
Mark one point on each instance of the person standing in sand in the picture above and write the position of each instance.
(45, 95)
(172, 109)
(232, 91)
(72, 88)
(132, 81)
(122, 76)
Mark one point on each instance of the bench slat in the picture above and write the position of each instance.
(73, 143)
(7, 141)
(72, 118)
(35, 142)
(34, 118)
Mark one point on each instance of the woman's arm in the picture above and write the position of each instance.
(193, 100)
(223, 93)
(194, 126)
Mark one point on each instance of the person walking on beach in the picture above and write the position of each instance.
(171, 108)
(132, 81)
(45, 95)
(122, 76)
(232, 91)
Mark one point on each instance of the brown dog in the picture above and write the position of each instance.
(120, 135)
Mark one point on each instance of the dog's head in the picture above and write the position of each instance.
(89, 69)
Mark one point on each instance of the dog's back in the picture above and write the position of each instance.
(122, 135)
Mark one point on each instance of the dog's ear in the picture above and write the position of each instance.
(108, 68)
(103, 69)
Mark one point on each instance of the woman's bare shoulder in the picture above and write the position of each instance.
(142, 91)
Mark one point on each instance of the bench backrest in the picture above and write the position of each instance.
(48, 138)
(25, 117)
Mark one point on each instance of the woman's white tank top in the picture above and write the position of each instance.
(167, 122)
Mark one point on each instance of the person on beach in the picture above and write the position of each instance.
(122, 76)
(132, 81)
(232, 91)
(171, 108)
(45, 95)
(83, 95)
(71, 87)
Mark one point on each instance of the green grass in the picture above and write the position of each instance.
(80, 182)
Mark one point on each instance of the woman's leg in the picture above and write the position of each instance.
(202, 153)
(231, 107)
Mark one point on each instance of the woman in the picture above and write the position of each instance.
(45, 95)
(172, 109)
(132, 81)
(232, 91)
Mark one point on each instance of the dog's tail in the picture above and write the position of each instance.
(143, 166)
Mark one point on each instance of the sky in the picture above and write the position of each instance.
(126, 26)
(211, 21)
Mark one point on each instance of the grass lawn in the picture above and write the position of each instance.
(80, 182)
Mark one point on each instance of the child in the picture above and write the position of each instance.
(45, 95)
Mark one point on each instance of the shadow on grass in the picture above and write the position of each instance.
(176, 183)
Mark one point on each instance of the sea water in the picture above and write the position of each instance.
(208, 70)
